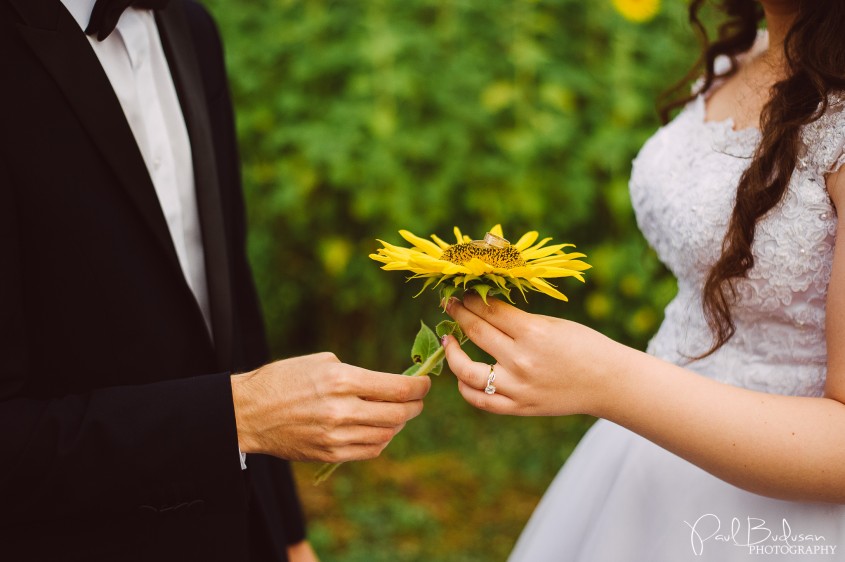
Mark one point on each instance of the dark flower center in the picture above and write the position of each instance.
(508, 257)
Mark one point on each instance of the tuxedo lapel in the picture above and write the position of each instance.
(55, 37)
(182, 59)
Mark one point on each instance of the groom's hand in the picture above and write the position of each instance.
(315, 408)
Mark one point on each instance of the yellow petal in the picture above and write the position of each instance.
(570, 264)
(458, 236)
(429, 266)
(478, 267)
(547, 289)
(443, 245)
(553, 272)
(522, 272)
(455, 269)
(379, 257)
(497, 230)
(397, 266)
(540, 244)
(542, 253)
(426, 246)
(387, 245)
(426, 259)
(527, 239)
(397, 250)
(558, 258)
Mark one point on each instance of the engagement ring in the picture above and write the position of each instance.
(490, 388)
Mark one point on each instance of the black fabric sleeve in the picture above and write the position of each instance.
(110, 449)
(249, 327)
(288, 498)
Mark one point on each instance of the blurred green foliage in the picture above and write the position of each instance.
(360, 117)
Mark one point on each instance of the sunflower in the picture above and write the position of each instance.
(638, 11)
(490, 266)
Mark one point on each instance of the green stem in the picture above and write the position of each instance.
(430, 363)
(425, 368)
(325, 471)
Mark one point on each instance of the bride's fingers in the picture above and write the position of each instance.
(468, 371)
(493, 403)
(472, 380)
(506, 318)
(482, 333)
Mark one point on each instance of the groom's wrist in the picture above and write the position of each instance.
(244, 406)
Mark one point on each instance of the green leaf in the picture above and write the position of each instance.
(427, 354)
(425, 344)
(495, 291)
(482, 291)
(451, 328)
(412, 370)
(426, 285)
(446, 293)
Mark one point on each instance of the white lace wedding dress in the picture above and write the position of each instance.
(619, 497)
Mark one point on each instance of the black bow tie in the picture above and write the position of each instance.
(106, 14)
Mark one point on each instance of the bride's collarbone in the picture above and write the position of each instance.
(742, 97)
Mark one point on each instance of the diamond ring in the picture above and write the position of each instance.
(490, 388)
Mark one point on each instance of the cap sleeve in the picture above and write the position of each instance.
(824, 139)
(839, 135)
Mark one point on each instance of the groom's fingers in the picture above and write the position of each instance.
(384, 387)
(484, 334)
(383, 414)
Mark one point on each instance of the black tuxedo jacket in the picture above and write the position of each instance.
(117, 433)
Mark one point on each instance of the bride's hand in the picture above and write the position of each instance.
(544, 366)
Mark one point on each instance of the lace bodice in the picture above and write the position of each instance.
(683, 187)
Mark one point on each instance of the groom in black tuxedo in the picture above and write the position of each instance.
(127, 307)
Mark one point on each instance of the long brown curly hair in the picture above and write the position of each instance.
(815, 59)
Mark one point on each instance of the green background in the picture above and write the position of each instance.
(360, 117)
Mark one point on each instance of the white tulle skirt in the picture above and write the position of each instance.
(620, 498)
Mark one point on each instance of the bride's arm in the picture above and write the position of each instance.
(781, 446)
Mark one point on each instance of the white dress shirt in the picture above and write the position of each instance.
(134, 61)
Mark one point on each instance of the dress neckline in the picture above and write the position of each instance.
(722, 135)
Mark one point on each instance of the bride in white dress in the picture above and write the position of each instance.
(726, 441)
